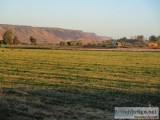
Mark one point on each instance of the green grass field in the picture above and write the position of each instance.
(59, 84)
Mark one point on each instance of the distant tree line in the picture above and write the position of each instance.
(93, 43)
(137, 41)
(10, 39)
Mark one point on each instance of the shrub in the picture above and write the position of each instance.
(8, 37)
(33, 40)
(72, 43)
(63, 43)
(15, 40)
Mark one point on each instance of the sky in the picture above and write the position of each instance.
(113, 18)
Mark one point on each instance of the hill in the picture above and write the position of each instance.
(48, 35)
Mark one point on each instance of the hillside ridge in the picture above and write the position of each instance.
(48, 34)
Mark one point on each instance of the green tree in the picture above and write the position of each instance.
(15, 40)
(72, 43)
(33, 40)
(8, 37)
(1, 41)
(152, 38)
(122, 39)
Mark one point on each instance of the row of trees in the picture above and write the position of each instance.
(93, 43)
(71, 43)
(141, 38)
(9, 38)
(137, 41)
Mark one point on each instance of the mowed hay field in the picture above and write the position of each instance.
(64, 85)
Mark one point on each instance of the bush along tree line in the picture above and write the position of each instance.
(135, 42)
(10, 39)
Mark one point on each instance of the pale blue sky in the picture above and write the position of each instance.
(114, 18)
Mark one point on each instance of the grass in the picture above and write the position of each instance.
(61, 84)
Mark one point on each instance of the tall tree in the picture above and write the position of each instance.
(152, 38)
(8, 37)
(15, 40)
(33, 40)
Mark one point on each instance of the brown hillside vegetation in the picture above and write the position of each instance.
(48, 35)
(153, 45)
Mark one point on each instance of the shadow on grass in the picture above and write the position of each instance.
(26, 104)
